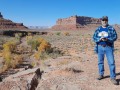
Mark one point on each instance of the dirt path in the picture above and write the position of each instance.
(23, 42)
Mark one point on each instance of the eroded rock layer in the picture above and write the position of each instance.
(76, 23)
(6, 24)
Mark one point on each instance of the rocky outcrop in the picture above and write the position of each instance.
(1, 15)
(24, 80)
(76, 23)
(116, 26)
(6, 24)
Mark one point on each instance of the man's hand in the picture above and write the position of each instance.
(103, 39)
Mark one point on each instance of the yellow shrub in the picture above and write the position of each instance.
(66, 33)
(33, 64)
(37, 55)
(7, 55)
(9, 46)
(41, 45)
(40, 40)
(1, 54)
(44, 46)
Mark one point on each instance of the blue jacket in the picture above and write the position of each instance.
(112, 36)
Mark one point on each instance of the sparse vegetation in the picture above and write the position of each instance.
(43, 48)
(66, 33)
(58, 33)
(10, 58)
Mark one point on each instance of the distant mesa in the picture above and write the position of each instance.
(77, 23)
(6, 24)
(38, 27)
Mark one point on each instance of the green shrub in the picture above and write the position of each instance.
(33, 43)
(58, 33)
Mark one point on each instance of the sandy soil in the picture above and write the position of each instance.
(77, 69)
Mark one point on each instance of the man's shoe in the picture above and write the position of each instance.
(100, 77)
(114, 81)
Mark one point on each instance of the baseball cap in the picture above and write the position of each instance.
(104, 18)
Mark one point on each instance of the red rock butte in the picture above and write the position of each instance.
(77, 23)
(6, 24)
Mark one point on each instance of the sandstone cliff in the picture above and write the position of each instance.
(76, 23)
(6, 24)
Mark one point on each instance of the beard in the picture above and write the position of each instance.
(104, 24)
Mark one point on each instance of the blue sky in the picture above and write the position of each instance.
(46, 12)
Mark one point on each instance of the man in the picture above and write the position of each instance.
(104, 38)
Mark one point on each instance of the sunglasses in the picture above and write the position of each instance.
(104, 20)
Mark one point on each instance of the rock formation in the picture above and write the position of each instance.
(116, 26)
(6, 24)
(76, 23)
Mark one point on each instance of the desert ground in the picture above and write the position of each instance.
(75, 69)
